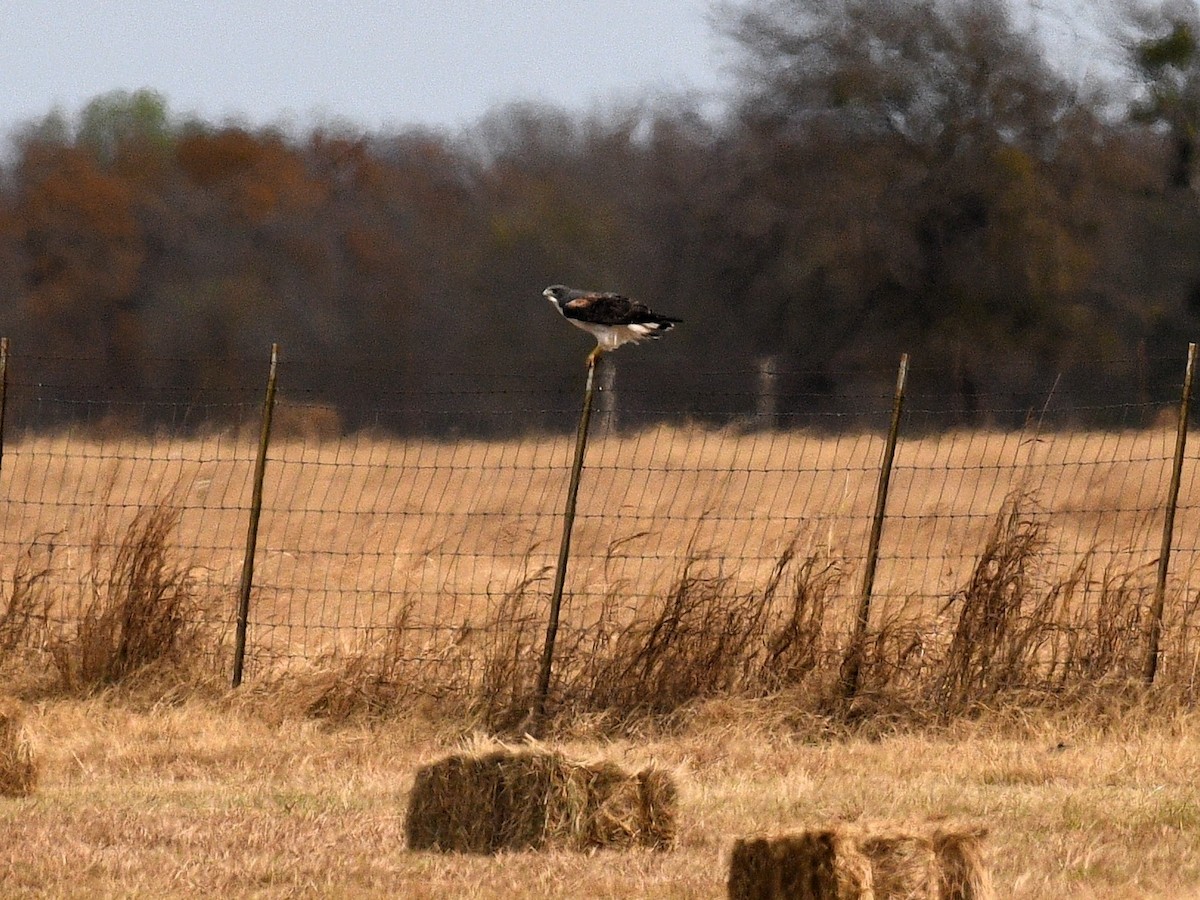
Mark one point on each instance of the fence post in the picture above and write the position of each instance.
(766, 401)
(564, 549)
(606, 405)
(3, 392)
(1150, 670)
(260, 466)
(853, 661)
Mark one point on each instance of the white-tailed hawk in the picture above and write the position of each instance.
(611, 318)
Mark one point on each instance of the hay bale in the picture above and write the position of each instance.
(863, 862)
(453, 804)
(903, 863)
(18, 768)
(659, 798)
(816, 865)
(534, 800)
(963, 871)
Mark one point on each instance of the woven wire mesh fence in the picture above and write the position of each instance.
(426, 513)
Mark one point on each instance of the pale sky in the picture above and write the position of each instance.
(387, 64)
(376, 63)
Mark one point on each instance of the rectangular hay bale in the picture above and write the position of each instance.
(934, 861)
(18, 768)
(533, 800)
(903, 863)
(813, 865)
(963, 872)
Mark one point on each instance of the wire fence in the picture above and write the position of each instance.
(370, 529)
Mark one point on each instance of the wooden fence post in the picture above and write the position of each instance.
(606, 401)
(852, 664)
(3, 392)
(766, 399)
(1150, 668)
(564, 550)
(260, 466)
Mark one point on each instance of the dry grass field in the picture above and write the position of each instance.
(997, 686)
(360, 530)
(239, 799)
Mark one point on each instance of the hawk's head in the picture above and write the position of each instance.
(558, 294)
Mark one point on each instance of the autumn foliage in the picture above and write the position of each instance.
(889, 176)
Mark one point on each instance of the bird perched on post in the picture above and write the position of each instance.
(611, 318)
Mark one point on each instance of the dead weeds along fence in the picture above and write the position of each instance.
(725, 553)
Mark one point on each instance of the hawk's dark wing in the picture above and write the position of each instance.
(611, 309)
(600, 309)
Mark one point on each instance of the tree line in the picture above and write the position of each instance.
(890, 175)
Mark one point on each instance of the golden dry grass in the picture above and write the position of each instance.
(359, 531)
(243, 798)
(239, 799)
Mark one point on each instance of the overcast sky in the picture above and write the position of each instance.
(385, 64)
(376, 63)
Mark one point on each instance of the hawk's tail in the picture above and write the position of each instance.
(658, 324)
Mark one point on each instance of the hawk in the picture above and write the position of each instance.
(611, 319)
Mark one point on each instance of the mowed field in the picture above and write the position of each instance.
(240, 799)
(244, 794)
